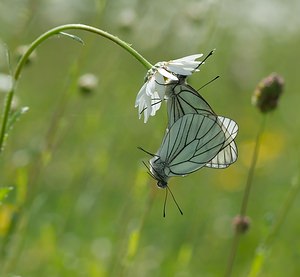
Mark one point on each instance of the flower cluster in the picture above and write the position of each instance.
(152, 92)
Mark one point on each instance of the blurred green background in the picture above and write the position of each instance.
(84, 204)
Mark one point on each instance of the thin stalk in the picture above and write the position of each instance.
(56, 31)
(252, 168)
(10, 249)
(266, 245)
(245, 201)
(293, 192)
(233, 251)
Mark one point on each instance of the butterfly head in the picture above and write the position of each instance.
(162, 184)
(157, 170)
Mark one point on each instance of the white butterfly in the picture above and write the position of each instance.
(182, 99)
(192, 141)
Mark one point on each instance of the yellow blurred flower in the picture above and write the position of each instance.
(7, 212)
(272, 144)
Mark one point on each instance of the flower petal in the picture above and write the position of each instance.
(155, 103)
(153, 91)
(182, 70)
(160, 89)
(150, 88)
(167, 74)
(188, 58)
(140, 95)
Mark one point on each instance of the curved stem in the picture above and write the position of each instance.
(59, 29)
(41, 39)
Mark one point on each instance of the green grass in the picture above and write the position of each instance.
(90, 207)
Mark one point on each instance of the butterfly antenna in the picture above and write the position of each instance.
(153, 104)
(147, 167)
(165, 203)
(207, 56)
(140, 148)
(174, 200)
(209, 82)
(149, 171)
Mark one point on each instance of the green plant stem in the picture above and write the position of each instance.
(10, 249)
(252, 168)
(293, 192)
(259, 258)
(245, 201)
(231, 259)
(42, 38)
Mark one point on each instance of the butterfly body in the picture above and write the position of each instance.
(191, 142)
(157, 169)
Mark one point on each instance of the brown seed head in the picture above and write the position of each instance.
(267, 93)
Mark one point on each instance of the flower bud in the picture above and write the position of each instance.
(241, 224)
(267, 93)
(87, 83)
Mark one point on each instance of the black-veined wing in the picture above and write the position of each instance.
(228, 154)
(191, 142)
(183, 99)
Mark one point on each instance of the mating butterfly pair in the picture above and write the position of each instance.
(196, 136)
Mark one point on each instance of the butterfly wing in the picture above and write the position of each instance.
(228, 153)
(192, 141)
(183, 99)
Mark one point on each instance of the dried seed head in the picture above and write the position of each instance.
(267, 93)
(241, 224)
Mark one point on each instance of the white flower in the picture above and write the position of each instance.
(184, 66)
(153, 91)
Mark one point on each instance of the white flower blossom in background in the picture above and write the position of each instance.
(6, 82)
(152, 92)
